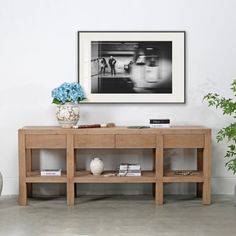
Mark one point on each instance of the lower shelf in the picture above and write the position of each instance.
(87, 177)
(172, 177)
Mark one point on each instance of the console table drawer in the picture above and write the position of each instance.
(135, 141)
(94, 141)
(45, 141)
(184, 141)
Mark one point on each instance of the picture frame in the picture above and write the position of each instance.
(132, 66)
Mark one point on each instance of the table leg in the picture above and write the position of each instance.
(206, 193)
(154, 170)
(29, 169)
(75, 184)
(70, 170)
(159, 193)
(199, 168)
(22, 170)
(159, 170)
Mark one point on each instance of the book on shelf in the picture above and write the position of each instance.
(50, 172)
(128, 173)
(159, 123)
(126, 169)
(134, 174)
(126, 166)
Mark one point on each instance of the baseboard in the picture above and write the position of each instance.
(10, 186)
(223, 185)
(11, 196)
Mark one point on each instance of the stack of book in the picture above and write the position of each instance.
(129, 170)
(159, 123)
(50, 172)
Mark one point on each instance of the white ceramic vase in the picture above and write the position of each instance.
(1, 183)
(96, 166)
(68, 114)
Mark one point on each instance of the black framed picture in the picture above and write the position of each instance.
(132, 67)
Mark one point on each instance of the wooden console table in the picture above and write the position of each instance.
(115, 138)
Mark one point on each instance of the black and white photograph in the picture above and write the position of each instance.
(132, 67)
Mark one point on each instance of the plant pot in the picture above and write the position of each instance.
(68, 114)
(1, 183)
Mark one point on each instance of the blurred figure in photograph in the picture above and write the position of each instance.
(112, 63)
(152, 61)
(141, 58)
(128, 67)
(103, 65)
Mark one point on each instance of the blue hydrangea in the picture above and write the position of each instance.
(68, 92)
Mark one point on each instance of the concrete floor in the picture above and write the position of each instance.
(118, 215)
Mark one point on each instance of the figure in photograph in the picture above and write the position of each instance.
(141, 58)
(128, 67)
(112, 63)
(103, 65)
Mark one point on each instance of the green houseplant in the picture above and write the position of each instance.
(228, 106)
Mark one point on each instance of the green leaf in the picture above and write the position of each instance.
(56, 101)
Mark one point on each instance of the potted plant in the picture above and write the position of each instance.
(67, 96)
(228, 106)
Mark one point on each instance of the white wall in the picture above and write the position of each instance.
(38, 51)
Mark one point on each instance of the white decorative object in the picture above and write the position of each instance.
(68, 114)
(96, 166)
(1, 183)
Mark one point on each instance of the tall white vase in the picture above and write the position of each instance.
(1, 183)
